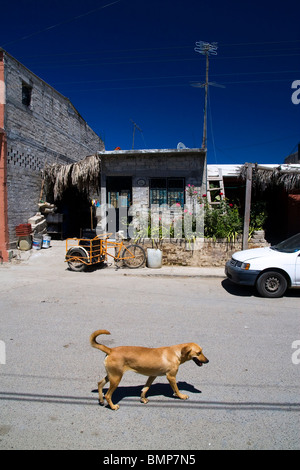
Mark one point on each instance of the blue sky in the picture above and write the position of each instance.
(120, 61)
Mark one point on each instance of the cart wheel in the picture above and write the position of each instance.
(139, 256)
(76, 264)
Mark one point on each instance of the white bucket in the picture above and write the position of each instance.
(154, 258)
(37, 243)
(46, 241)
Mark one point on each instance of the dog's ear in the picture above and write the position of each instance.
(185, 351)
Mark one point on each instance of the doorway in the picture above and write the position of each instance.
(77, 213)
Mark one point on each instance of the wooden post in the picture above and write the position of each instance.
(247, 206)
(92, 222)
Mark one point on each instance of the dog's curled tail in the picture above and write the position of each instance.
(96, 345)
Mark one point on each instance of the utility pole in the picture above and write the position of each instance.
(247, 205)
(206, 49)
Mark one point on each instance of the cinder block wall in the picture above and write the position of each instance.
(48, 130)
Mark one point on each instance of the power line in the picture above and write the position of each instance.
(48, 28)
(88, 56)
(171, 77)
(255, 144)
(169, 85)
(86, 61)
(259, 43)
(143, 49)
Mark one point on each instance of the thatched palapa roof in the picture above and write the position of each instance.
(287, 176)
(84, 175)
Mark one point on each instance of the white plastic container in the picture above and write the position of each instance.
(46, 241)
(37, 243)
(154, 258)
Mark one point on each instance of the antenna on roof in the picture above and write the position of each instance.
(135, 126)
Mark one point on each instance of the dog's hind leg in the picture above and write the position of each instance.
(114, 382)
(100, 387)
(148, 384)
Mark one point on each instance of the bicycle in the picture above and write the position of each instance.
(84, 252)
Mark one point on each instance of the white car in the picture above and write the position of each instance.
(272, 270)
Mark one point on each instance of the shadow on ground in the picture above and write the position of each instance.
(248, 291)
(158, 389)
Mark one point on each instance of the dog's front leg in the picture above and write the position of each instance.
(172, 381)
(150, 380)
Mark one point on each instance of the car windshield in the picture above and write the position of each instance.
(288, 246)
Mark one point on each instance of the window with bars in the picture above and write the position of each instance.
(167, 191)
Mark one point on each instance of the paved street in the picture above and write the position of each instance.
(247, 397)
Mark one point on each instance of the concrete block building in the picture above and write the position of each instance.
(151, 177)
(38, 125)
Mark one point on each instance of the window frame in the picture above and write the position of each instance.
(164, 188)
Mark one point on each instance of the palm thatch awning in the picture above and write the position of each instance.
(84, 175)
(287, 176)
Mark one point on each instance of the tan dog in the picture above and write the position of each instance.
(146, 361)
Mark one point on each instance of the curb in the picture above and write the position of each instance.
(172, 272)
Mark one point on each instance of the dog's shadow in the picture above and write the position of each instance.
(155, 390)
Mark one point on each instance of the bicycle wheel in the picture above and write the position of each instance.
(134, 256)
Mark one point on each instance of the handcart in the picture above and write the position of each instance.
(84, 252)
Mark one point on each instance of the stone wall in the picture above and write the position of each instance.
(48, 129)
(203, 253)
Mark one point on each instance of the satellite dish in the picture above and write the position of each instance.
(181, 146)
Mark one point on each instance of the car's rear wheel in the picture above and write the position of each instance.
(271, 284)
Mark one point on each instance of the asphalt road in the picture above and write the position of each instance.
(247, 397)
